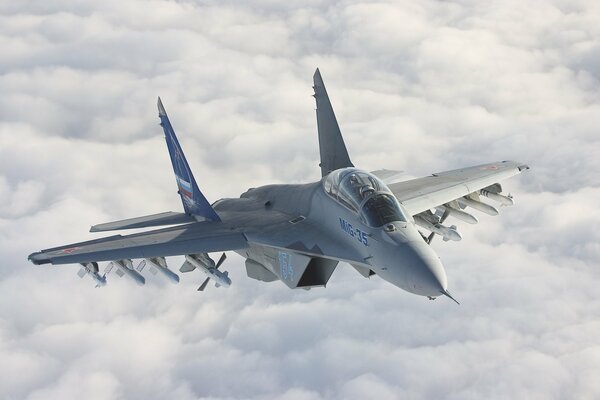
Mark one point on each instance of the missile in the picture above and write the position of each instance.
(460, 214)
(447, 233)
(206, 265)
(160, 265)
(478, 205)
(91, 269)
(125, 267)
(205, 259)
(504, 200)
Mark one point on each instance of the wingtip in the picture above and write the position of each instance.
(38, 258)
(161, 109)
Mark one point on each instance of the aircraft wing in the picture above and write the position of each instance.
(198, 237)
(422, 194)
(273, 229)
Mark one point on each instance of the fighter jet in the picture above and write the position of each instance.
(299, 233)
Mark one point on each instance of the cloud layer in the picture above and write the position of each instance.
(420, 87)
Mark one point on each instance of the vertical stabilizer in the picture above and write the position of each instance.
(194, 202)
(331, 144)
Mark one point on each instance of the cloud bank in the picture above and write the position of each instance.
(420, 87)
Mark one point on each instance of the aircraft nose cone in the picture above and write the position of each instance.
(426, 273)
(414, 265)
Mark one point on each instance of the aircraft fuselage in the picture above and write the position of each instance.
(396, 251)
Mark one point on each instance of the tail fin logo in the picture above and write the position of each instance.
(183, 177)
(185, 188)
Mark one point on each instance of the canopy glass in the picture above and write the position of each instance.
(364, 194)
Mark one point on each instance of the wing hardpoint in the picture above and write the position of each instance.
(418, 195)
(331, 144)
(194, 202)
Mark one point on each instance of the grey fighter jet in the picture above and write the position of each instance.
(299, 233)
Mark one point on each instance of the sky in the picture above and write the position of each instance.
(419, 87)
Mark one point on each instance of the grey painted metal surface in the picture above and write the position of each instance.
(147, 221)
(331, 144)
(298, 234)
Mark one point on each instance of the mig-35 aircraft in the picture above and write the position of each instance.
(299, 233)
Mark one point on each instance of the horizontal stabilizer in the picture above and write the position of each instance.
(146, 221)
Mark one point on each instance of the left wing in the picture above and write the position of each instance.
(422, 194)
(198, 237)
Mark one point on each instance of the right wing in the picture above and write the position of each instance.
(198, 237)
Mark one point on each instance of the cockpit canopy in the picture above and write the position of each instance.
(364, 194)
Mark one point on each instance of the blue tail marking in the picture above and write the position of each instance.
(194, 202)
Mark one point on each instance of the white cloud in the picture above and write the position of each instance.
(420, 87)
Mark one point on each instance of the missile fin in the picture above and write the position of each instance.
(187, 267)
(203, 286)
(221, 260)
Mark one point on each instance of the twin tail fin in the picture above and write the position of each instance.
(194, 202)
